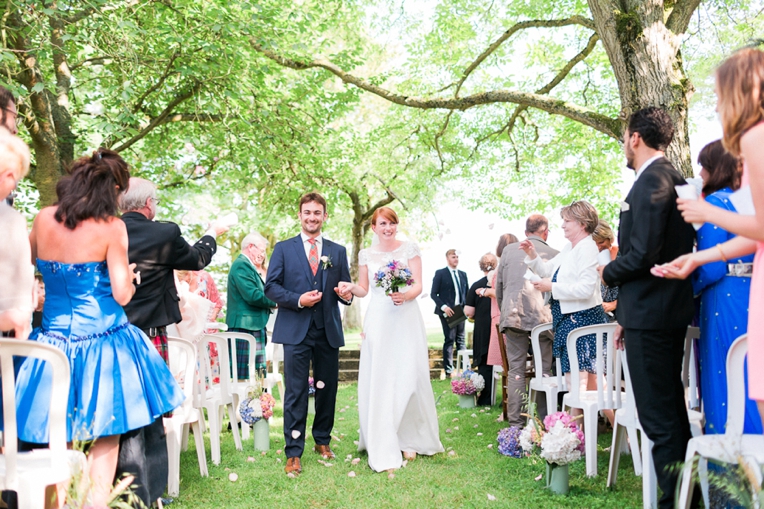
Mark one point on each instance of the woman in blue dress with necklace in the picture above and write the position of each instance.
(724, 289)
(118, 380)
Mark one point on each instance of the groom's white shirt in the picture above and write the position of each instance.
(306, 244)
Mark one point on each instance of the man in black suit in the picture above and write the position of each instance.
(654, 313)
(157, 248)
(449, 289)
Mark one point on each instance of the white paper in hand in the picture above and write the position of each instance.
(688, 192)
(743, 201)
(229, 219)
(531, 276)
(603, 257)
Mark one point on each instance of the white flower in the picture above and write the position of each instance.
(478, 381)
(257, 409)
(560, 445)
(326, 261)
(94, 109)
(526, 439)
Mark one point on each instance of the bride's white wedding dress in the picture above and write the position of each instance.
(396, 405)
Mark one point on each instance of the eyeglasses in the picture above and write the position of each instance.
(156, 201)
(18, 120)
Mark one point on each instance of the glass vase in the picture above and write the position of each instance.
(261, 432)
(311, 404)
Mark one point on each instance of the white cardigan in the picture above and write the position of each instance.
(578, 282)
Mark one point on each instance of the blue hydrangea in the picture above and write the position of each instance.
(509, 442)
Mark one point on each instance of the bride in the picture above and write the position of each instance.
(396, 405)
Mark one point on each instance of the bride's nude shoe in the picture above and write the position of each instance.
(409, 456)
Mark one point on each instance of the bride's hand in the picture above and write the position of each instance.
(345, 290)
(398, 298)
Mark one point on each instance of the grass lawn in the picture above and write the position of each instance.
(464, 479)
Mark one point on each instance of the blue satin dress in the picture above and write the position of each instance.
(118, 380)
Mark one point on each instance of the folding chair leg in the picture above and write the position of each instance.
(703, 475)
(615, 454)
(636, 455)
(685, 488)
(551, 401)
(590, 431)
(212, 415)
(201, 454)
(649, 479)
(234, 426)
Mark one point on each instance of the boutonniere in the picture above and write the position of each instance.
(326, 262)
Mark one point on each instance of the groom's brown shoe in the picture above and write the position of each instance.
(325, 451)
(293, 466)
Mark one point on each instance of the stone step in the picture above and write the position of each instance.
(352, 364)
(351, 375)
(348, 353)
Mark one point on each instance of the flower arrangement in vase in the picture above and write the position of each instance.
(559, 441)
(258, 405)
(509, 442)
(466, 386)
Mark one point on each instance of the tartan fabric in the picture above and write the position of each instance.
(313, 256)
(242, 353)
(160, 342)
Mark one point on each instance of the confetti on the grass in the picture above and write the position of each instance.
(405, 462)
(448, 430)
(336, 438)
(456, 428)
(278, 451)
(454, 419)
(449, 448)
(538, 477)
(355, 461)
(342, 410)
(351, 474)
(227, 469)
(341, 419)
(490, 446)
(263, 453)
(391, 475)
(491, 497)
(480, 434)
(473, 415)
(250, 458)
(348, 457)
(355, 442)
(278, 459)
(475, 426)
(482, 411)
(452, 453)
(296, 434)
(291, 474)
(233, 477)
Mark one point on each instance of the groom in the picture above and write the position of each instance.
(302, 279)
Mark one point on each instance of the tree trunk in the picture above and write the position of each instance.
(353, 312)
(647, 64)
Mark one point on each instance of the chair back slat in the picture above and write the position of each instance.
(225, 374)
(736, 385)
(538, 365)
(59, 399)
(231, 338)
(606, 392)
(183, 359)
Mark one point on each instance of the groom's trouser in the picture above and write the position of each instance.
(451, 336)
(326, 360)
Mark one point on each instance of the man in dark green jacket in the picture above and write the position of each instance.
(248, 307)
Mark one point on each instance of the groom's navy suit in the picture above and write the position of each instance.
(308, 333)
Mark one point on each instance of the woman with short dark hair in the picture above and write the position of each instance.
(724, 293)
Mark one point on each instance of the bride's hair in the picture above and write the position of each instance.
(91, 189)
(386, 213)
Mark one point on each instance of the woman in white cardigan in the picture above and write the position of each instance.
(572, 278)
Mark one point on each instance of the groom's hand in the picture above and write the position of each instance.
(343, 291)
(310, 299)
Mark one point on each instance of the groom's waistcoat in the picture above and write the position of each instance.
(317, 317)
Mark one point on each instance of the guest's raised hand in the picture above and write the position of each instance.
(695, 211)
(529, 248)
(218, 227)
(545, 285)
(310, 299)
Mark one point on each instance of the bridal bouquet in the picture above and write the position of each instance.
(393, 276)
(558, 440)
(258, 405)
(467, 383)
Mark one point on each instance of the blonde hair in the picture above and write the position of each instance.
(16, 154)
(739, 82)
(603, 232)
(583, 212)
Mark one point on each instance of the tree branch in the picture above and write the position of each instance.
(593, 119)
(155, 86)
(681, 14)
(192, 117)
(538, 23)
(161, 118)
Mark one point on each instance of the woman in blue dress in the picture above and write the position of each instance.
(724, 290)
(118, 380)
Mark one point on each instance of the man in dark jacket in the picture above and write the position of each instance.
(653, 313)
(157, 249)
(449, 289)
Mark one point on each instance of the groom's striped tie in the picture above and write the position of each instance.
(313, 256)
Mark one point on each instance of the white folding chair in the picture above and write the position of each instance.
(218, 397)
(608, 395)
(238, 385)
(625, 420)
(29, 473)
(690, 381)
(463, 360)
(275, 353)
(733, 446)
(540, 383)
(183, 358)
